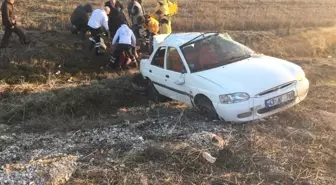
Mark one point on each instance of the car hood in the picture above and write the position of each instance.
(253, 75)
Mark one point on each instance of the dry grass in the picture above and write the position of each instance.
(216, 15)
(293, 147)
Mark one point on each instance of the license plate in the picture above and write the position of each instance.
(279, 99)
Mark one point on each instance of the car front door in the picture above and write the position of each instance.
(157, 71)
(176, 75)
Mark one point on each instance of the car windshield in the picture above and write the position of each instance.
(213, 51)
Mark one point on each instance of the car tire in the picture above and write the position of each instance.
(205, 106)
(153, 94)
(139, 84)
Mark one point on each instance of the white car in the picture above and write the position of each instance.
(221, 77)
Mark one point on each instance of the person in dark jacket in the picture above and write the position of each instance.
(116, 16)
(129, 8)
(80, 18)
(9, 22)
(135, 10)
(114, 4)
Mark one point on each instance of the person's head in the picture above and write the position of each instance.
(159, 13)
(113, 1)
(161, 2)
(121, 22)
(146, 18)
(107, 10)
(88, 8)
(11, 1)
(124, 22)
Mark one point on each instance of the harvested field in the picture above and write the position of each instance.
(60, 112)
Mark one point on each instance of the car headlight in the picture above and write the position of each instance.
(300, 76)
(234, 97)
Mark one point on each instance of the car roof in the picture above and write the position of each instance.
(178, 39)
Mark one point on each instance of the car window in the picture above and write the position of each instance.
(158, 59)
(174, 61)
(213, 51)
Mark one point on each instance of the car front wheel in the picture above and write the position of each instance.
(206, 107)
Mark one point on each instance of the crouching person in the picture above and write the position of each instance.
(97, 20)
(79, 19)
(151, 24)
(123, 41)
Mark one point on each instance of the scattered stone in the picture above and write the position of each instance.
(6, 138)
(307, 183)
(3, 127)
(207, 141)
(121, 142)
(50, 170)
(208, 157)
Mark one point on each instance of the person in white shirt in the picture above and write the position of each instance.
(123, 40)
(97, 20)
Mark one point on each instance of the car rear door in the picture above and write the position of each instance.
(156, 71)
(176, 71)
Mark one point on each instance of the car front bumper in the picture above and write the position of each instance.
(255, 107)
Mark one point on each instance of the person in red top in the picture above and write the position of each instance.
(9, 22)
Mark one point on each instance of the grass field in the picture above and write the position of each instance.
(54, 98)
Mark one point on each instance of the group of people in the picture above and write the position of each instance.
(121, 33)
(124, 35)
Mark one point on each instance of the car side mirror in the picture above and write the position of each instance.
(180, 81)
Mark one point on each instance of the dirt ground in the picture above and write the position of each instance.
(58, 108)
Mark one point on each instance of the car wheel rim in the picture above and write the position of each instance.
(205, 109)
(208, 111)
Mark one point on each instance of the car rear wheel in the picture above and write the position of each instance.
(153, 94)
(206, 107)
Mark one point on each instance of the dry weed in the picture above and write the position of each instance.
(54, 87)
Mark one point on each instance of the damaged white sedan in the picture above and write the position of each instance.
(221, 77)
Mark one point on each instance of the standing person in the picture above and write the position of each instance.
(126, 42)
(139, 28)
(80, 18)
(165, 26)
(164, 10)
(161, 9)
(129, 8)
(135, 11)
(97, 20)
(9, 22)
(151, 24)
(116, 16)
(114, 4)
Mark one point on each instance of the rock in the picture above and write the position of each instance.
(207, 141)
(6, 138)
(51, 170)
(3, 127)
(208, 157)
(307, 183)
(45, 27)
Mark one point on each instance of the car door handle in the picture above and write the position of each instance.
(167, 76)
(150, 71)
